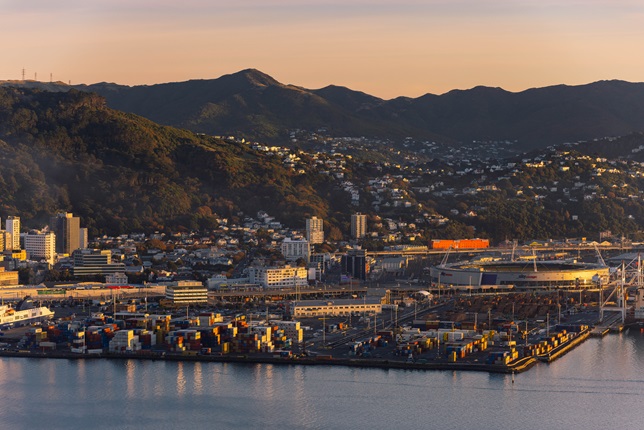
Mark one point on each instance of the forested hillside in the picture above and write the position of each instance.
(121, 172)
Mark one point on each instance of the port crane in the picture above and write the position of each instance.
(617, 289)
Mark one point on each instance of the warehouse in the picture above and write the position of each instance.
(318, 308)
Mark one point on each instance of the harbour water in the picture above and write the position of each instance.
(598, 385)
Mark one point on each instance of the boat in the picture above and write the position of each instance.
(25, 312)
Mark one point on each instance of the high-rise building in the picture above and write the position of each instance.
(83, 238)
(358, 225)
(13, 227)
(4, 239)
(355, 263)
(66, 226)
(314, 230)
(41, 246)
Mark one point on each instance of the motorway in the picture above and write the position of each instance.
(527, 249)
(287, 293)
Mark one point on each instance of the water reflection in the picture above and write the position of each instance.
(596, 386)
(130, 378)
(198, 376)
(181, 379)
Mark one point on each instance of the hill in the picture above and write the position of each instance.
(254, 105)
(121, 172)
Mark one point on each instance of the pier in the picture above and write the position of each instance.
(599, 331)
(564, 347)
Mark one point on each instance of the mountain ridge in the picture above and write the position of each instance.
(252, 104)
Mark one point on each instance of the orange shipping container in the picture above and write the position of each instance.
(441, 244)
(459, 243)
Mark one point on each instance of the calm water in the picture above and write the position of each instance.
(599, 385)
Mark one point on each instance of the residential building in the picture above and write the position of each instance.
(67, 229)
(315, 230)
(41, 246)
(12, 226)
(358, 226)
(186, 293)
(295, 249)
(278, 277)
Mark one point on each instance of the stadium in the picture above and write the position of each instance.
(520, 274)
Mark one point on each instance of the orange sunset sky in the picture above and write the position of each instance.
(384, 48)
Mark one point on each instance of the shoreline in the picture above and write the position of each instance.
(518, 366)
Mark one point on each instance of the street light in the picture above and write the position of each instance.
(324, 329)
(548, 324)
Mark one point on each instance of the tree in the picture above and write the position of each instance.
(26, 275)
(300, 262)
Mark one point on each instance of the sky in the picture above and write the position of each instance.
(387, 48)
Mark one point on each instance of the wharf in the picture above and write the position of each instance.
(616, 328)
(515, 367)
(565, 347)
(599, 331)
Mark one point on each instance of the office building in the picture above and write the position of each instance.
(41, 246)
(12, 226)
(15, 254)
(295, 249)
(84, 241)
(279, 277)
(5, 238)
(337, 307)
(116, 279)
(358, 226)
(186, 293)
(314, 230)
(8, 279)
(354, 263)
(95, 262)
(67, 229)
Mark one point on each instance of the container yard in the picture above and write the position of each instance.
(493, 333)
